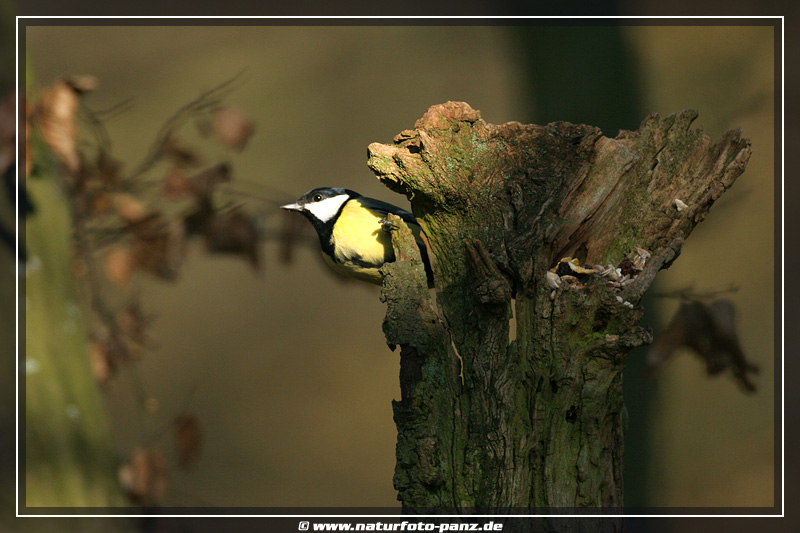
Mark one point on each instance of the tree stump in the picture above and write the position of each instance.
(507, 415)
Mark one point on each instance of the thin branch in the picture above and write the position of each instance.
(92, 286)
(97, 128)
(207, 100)
(114, 110)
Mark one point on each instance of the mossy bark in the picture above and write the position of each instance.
(498, 414)
(70, 458)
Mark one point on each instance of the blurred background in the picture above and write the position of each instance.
(287, 370)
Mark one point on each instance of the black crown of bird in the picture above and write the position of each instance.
(354, 232)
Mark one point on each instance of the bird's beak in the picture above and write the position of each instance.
(292, 207)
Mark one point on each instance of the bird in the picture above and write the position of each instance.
(354, 232)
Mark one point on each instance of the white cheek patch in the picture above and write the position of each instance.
(326, 209)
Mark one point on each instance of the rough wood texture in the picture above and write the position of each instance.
(492, 421)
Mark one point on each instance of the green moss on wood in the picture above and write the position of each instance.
(487, 423)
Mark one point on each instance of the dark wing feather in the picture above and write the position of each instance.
(384, 208)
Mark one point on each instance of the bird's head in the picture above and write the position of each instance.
(322, 204)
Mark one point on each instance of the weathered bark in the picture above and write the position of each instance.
(494, 420)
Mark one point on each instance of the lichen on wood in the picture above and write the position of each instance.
(489, 422)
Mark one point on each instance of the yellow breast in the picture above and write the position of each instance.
(358, 234)
(361, 246)
(373, 275)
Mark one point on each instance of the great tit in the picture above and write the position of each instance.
(353, 231)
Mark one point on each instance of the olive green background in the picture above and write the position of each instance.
(288, 371)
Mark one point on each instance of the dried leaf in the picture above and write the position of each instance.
(233, 232)
(105, 355)
(108, 169)
(98, 202)
(159, 246)
(187, 438)
(202, 185)
(103, 367)
(130, 209)
(570, 266)
(195, 222)
(56, 120)
(176, 185)
(710, 331)
(82, 83)
(180, 154)
(232, 127)
(143, 477)
(119, 265)
(133, 324)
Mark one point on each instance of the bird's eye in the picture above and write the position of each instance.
(317, 198)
